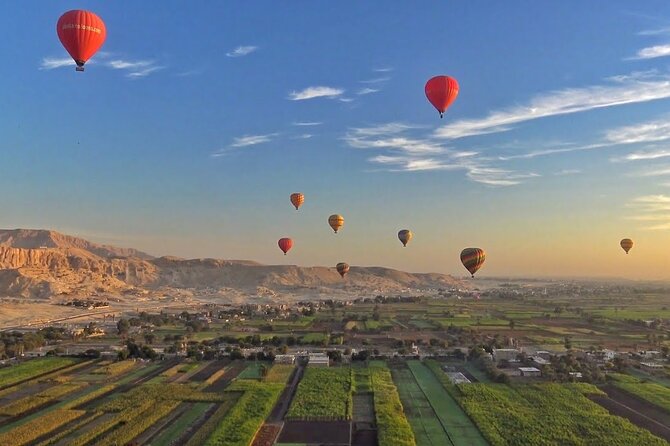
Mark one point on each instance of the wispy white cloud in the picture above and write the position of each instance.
(383, 69)
(645, 132)
(565, 172)
(363, 91)
(651, 208)
(643, 156)
(307, 123)
(50, 63)
(251, 140)
(652, 52)
(242, 51)
(653, 172)
(626, 89)
(376, 80)
(303, 136)
(315, 92)
(344, 99)
(403, 152)
(655, 32)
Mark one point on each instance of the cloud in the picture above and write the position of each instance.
(383, 69)
(654, 32)
(304, 124)
(251, 140)
(346, 99)
(642, 156)
(565, 172)
(133, 69)
(646, 132)
(375, 80)
(303, 136)
(651, 208)
(656, 172)
(242, 51)
(403, 152)
(315, 92)
(363, 91)
(626, 89)
(652, 52)
(49, 63)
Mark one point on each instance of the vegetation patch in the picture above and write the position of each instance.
(392, 426)
(35, 428)
(29, 369)
(323, 394)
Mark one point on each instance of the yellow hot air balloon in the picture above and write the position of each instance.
(626, 244)
(342, 268)
(473, 259)
(336, 221)
(297, 199)
(405, 236)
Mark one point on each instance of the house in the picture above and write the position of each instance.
(285, 359)
(530, 371)
(318, 360)
(539, 361)
(575, 375)
(505, 354)
(651, 366)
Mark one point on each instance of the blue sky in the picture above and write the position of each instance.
(186, 133)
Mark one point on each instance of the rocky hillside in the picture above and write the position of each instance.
(42, 264)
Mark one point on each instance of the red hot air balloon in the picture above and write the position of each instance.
(82, 33)
(285, 244)
(441, 91)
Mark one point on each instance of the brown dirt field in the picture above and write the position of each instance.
(316, 432)
(279, 411)
(639, 413)
(208, 370)
(222, 383)
(267, 435)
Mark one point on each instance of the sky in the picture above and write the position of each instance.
(194, 123)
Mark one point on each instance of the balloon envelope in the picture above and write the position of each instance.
(82, 33)
(285, 244)
(441, 91)
(626, 244)
(473, 259)
(405, 236)
(342, 268)
(336, 221)
(297, 199)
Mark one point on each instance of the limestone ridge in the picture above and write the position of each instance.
(43, 264)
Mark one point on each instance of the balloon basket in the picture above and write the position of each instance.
(79, 69)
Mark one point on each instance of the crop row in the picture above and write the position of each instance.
(33, 429)
(653, 393)
(206, 430)
(26, 370)
(393, 429)
(55, 438)
(279, 373)
(323, 394)
(241, 423)
(115, 368)
(135, 426)
(99, 429)
(160, 392)
(22, 405)
(546, 414)
(90, 396)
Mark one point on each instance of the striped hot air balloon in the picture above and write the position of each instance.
(626, 244)
(297, 199)
(405, 235)
(473, 259)
(336, 221)
(342, 268)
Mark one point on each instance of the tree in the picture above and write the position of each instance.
(511, 324)
(149, 338)
(568, 343)
(123, 326)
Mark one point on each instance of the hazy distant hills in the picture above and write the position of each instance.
(42, 263)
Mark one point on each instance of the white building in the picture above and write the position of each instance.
(318, 360)
(530, 371)
(505, 354)
(285, 359)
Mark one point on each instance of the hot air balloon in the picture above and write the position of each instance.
(441, 91)
(336, 221)
(285, 244)
(473, 259)
(342, 268)
(297, 199)
(405, 236)
(82, 33)
(626, 244)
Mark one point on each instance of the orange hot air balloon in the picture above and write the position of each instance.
(405, 236)
(297, 199)
(626, 244)
(82, 33)
(336, 221)
(473, 259)
(285, 244)
(441, 91)
(342, 268)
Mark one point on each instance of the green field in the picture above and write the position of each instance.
(323, 394)
(459, 427)
(29, 369)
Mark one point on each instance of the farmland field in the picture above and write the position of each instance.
(323, 394)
